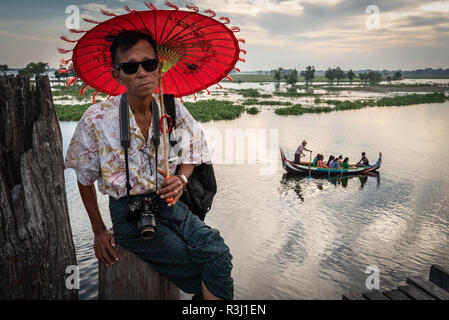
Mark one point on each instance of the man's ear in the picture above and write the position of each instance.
(116, 75)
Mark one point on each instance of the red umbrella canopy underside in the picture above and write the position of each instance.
(202, 50)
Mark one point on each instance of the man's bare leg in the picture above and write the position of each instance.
(207, 295)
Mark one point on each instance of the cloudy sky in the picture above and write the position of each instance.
(406, 34)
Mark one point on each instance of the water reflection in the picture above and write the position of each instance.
(277, 87)
(295, 182)
(318, 246)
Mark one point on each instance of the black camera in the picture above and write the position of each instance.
(143, 210)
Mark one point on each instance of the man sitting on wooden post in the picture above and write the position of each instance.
(186, 250)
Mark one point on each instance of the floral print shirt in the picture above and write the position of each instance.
(95, 151)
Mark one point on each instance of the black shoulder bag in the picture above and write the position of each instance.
(202, 186)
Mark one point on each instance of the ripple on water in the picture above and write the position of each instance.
(295, 238)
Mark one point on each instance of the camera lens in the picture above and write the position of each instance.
(148, 233)
(147, 226)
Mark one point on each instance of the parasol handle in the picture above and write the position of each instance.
(164, 132)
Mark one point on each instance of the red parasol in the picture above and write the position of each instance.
(197, 50)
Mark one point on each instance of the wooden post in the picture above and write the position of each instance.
(440, 276)
(36, 244)
(133, 278)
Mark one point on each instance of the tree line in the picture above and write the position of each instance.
(33, 69)
(331, 74)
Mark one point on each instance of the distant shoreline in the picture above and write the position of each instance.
(270, 78)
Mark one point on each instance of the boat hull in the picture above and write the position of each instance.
(292, 167)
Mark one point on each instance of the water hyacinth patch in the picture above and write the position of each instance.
(359, 104)
(207, 110)
(253, 110)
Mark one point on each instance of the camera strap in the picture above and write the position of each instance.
(125, 136)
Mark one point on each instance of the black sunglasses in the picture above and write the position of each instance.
(131, 67)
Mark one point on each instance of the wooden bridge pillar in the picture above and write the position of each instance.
(131, 278)
(36, 244)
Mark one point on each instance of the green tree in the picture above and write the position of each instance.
(292, 78)
(339, 74)
(34, 69)
(4, 68)
(25, 72)
(351, 76)
(330, 75)
(397, 75)
(309, 74)
(363, 78)
(374, 77)
(278, 75)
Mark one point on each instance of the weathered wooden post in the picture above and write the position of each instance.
(36, 244)
(133, 278)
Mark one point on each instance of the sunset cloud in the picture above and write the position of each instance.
(412, 33)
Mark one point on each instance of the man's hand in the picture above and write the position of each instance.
(104, 244)
(172, 187)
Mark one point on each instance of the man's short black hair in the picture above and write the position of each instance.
(126, 39)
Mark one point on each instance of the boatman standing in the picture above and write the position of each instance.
(300, 152)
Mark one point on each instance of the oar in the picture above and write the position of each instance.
(164, 133)
(310, 166)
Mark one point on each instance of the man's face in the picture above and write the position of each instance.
(142, 83)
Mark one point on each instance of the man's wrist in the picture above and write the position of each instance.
(99, 230)
(183, 180)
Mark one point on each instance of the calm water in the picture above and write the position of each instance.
(295, 238)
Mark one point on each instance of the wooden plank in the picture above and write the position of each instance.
(353, 296)
(414, 293)
(395, 294)
(374, 295)
(439, 276)
(428, 287)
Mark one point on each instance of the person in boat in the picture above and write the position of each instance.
(191, 254)
(363, 162)
(330, 162)
(345, 164)
(335, 164)
(317, 157)
(300, 152)
(339, 161)
(321, 163)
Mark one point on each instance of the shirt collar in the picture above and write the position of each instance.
(133, 128)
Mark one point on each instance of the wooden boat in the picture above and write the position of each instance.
(306, 167)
